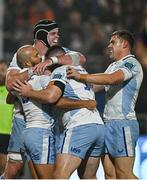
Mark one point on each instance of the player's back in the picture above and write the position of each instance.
(76, 90)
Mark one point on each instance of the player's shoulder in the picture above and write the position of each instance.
(67, 50)
(59, 74)
(61, 69)
(131, 62)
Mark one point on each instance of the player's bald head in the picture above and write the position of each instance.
(24, 54)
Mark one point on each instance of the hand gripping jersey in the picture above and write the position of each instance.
(37, 114)
(121, 98)
(76, 90)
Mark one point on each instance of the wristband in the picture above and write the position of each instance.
(54, 60)
(30, 72)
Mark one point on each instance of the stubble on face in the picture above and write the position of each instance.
(114, 47)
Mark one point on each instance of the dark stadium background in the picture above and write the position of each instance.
(85, 26)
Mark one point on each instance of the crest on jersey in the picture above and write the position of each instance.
(58, 76)
(129, 65)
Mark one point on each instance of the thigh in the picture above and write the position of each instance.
(16, 138)
(66, 164)
(40, 145)
(32, 170)
(88, 168)
(124, 167)
(44, 171)
(121, 137)
(109, 168)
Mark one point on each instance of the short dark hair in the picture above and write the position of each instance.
(52, 51)
(126, 35)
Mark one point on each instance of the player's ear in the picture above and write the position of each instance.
(125, 44)
(27, 63)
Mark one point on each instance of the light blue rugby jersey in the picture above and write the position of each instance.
(37, 114)
(121, 98)
(76, 90)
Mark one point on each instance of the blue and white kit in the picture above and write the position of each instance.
(79, 138)
(122, 129)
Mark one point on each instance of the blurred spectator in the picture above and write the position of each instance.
(41, 10)
(5, 117)
(75, 38)
(111, 14)
(96, 41)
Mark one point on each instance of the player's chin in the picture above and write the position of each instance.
(111, 56)
(54, 43)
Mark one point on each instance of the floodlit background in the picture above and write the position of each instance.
(85, 26)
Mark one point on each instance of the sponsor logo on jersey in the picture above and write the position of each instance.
(129, 65)
(57, 76)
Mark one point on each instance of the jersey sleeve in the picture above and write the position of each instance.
(44, 81)
(59, 74)
(13, 63)
(129, 68)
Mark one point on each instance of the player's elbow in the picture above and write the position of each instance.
(51, 98)
(111, 81)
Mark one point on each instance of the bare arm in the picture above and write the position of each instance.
(49, 95)
(74, 58)
(52, 94)
(70, 104)
(100, 78)
(13, 75)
